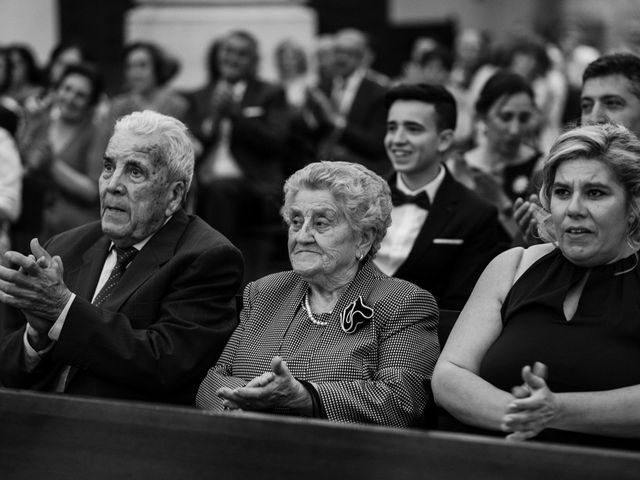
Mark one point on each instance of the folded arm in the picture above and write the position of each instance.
(457, 387)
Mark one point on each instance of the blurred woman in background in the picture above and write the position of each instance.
(500, 167)
(62, 166)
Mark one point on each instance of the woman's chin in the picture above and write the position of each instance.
(306, 270)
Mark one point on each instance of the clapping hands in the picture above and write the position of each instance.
(274, 389)
(34, 284)
(526, 213)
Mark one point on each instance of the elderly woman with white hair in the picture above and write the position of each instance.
(335, 338)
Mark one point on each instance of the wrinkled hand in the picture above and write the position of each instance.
(524, 213)
(275, 389)
(535, 405)
(35, 286)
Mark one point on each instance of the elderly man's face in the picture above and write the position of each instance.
(610, 99)
(349, 52)
(136, 196)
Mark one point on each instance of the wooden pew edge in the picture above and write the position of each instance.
(192, 419)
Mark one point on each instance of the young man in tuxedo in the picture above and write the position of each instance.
(442, 234)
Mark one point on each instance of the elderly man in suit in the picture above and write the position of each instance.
(146, 299)
(442, 234)
(243, 123)
(350, 106)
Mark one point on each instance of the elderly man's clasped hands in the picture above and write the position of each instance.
(35, 286)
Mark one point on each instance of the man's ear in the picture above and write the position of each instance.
(445, 140)
(177, 195)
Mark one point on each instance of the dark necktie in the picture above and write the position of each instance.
(400, 198)
(125, 255)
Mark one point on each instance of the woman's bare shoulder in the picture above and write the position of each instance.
(531, 255)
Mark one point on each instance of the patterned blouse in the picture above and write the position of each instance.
(377, 374)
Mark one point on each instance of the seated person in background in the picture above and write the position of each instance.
(444, 242)
(337, 338)
(10, 176)
(148, 69)
(548, 345)
(243, 123)
(146, 300)
(350, 106)
(62, 166)
(500, 167)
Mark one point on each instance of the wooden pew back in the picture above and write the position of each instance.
(58, 437)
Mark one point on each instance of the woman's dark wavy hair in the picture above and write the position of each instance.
(5, 82)
(59, 49)
(164, 67)
(34, 74)
(500, 84)
(90, 73)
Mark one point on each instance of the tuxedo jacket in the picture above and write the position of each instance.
(154, 338)
(460, 236)
(362, 140)
(260, 129)
(376, 375)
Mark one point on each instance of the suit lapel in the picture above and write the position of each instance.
(152, 256)
(443, 207)
(83, 279)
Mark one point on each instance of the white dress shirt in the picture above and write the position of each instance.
(406, 222)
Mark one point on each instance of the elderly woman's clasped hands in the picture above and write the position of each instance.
(275, 388)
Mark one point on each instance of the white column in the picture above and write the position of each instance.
(34, 22)
(187, 31)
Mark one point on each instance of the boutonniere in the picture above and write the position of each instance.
(355, 315)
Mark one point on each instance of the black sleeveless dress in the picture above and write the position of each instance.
(598, 349)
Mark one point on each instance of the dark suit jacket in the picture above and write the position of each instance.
(376, 375)
(153, 339)
(460, 236)
(260, 129)
(362, 140)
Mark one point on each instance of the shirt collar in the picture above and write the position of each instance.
(431, 188)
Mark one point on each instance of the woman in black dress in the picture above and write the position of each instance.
(548, 345)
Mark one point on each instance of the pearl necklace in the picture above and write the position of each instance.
(307, 309)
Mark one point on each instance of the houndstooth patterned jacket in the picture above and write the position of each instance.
(379, 374)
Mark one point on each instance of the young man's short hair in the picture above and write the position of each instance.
(436, 95)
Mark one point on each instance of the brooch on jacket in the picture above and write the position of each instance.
(355, 315)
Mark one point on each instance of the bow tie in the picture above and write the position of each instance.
(400, 198)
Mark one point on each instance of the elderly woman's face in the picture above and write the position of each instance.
(589, 212)
(321, 242)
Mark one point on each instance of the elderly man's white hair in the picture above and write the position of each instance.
(174, 145)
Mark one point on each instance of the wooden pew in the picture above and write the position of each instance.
(58, 437)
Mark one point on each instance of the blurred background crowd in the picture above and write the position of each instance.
(262, 101)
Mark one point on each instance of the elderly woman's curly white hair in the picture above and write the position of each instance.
(363, 196)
